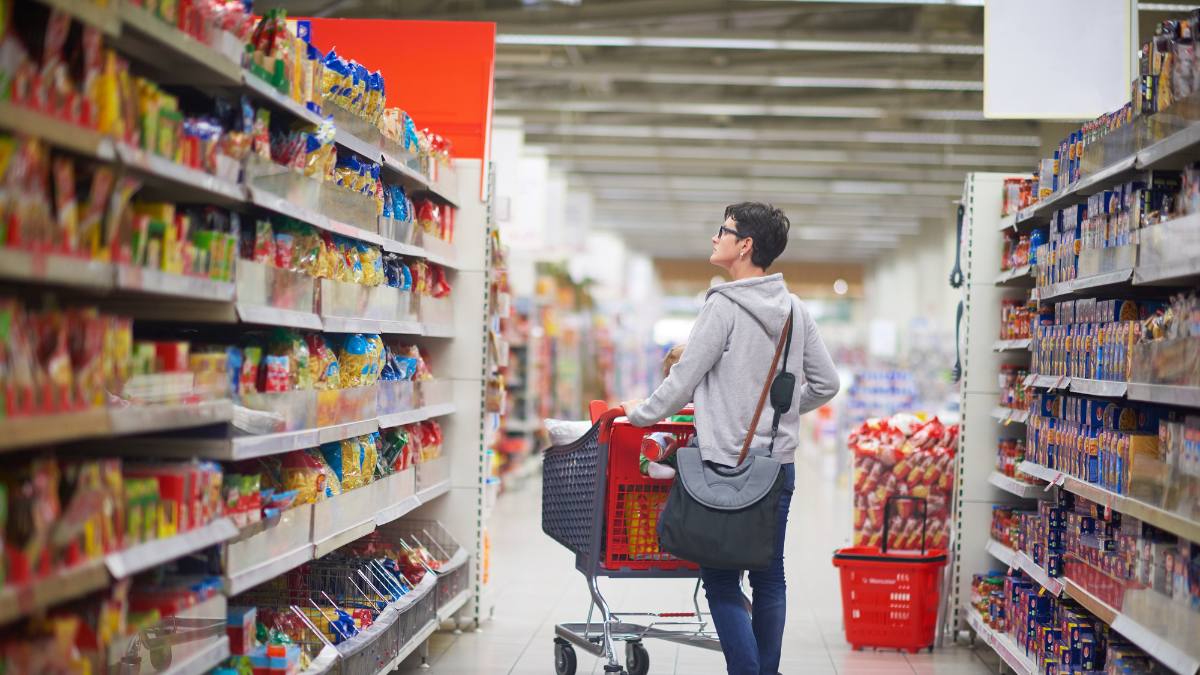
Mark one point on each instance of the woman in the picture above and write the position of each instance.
(722, 370)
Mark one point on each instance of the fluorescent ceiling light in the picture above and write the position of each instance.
(760, 185)
(748, 43)
(714, 133)
(589, 152)
(721, 109)
(737, 79)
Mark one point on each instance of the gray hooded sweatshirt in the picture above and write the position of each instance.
(725, 365)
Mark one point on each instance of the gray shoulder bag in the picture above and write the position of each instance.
(725, 518)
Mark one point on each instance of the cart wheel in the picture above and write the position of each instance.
(160, 658)
(637, 659)
(564, 657)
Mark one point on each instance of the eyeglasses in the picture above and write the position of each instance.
(722, 231)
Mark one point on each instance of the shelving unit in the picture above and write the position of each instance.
(1164, 259)
(449, 489)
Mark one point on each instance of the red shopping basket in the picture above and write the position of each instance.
(634, 502)
(890, 599)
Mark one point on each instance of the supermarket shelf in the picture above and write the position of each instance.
(397, 511)
(1168, 149)
(1002, 644)
(157, 282)
(1058, 291)
(1011, 345)
(1048, 381)
(1019, 560)
(17, 602)
(141, 419)
(268, 569)
(172, 51)
(58, 133)
(275, 316)
(339, 539)
(142, 557)
(1109, 388)
(22, 432)
(1098, 282)
(104, 19)
(1160, 518)
(272, 202)
(416, 415)
(1166, 394)
(202, 185)
(341, 324)
(1010, 415)
(1002, 553)
(353, 143)
(265, 92)
(1170, 274)
(447, 611)
(1016, 487)
(1008, 222)
(53, 268)
(1037, 573)
(438, 331)
(1015, 276)
(203, 661)
(434, 491)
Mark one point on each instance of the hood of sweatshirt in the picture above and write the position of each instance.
(765, 298)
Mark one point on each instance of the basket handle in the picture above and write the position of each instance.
(887, 517)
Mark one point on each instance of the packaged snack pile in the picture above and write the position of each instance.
(1016, 319)
(1168, 351)
(1009, 455)
(57, 514)
(286, 60)
(1102, 551)
(1021, 249)
(1090, 338)
(901, 456)
(1013, 394)
(73, 639)
(1056, 633)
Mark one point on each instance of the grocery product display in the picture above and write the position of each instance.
(1095, 398)
(235, 349)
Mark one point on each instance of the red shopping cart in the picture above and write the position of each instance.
(890, 599)
(597, 503)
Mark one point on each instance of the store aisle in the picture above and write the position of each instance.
(538, 587)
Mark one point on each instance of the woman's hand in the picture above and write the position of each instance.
(672, 358)
(628, 406)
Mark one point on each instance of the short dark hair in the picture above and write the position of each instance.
(766, 225)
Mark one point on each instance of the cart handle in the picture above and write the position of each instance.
(887, 508)
(600, 412)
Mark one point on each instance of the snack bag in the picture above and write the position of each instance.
(324, 369)
(345, 459)
(309, 476)
(356, 361)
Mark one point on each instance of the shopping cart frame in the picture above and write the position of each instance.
(599, 637)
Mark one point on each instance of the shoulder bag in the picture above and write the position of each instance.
(725, 518)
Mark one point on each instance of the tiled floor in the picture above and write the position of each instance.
(539, 587)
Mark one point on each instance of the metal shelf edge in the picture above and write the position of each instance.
(456, 603)
(244, 580)
(142, 557)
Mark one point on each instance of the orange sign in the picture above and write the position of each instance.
(439, 72)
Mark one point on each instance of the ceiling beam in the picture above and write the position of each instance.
(867, 44)
(775, 135)
(605, 74)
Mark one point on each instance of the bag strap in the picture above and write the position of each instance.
(780, 409)
(762, 398)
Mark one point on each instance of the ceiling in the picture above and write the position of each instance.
(857, 118)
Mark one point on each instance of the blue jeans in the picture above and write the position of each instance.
(752, 640)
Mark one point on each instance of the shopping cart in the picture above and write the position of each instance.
(890, 599)
(597, 503)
